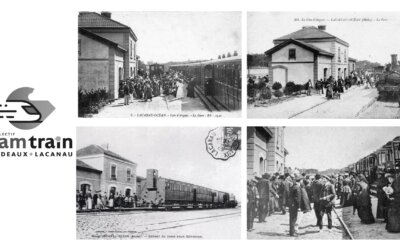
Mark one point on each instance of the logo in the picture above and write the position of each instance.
(23, 113)
(222, 143)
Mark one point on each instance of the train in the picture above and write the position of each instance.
(218, 81)
(156, 69)
(159, 192)
(385, 159)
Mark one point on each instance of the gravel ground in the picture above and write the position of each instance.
(277, 228)
(381, 110)
(360, 231)
(350, 105)
(188, 224)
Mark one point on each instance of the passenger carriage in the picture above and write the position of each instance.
(219, 81)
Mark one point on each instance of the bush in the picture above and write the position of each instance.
(89, 102)
(296, 88)
(266, 93)
(289, 88)
(278, 93)
(276, 86)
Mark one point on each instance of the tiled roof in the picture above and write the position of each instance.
(80, 164)
(95, 150)
(88, 20)
(309, 32)
(301, 44)
(93, 19)
(99, 38)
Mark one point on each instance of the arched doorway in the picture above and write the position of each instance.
(85, 188)
(128, 191)
(280, 74)
(112, 190)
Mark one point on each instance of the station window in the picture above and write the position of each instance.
(128, 174)
(113, 172)
(292, 54)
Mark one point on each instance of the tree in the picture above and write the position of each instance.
(223, 55)
(219, 56)
(235, 53)
(228, 55)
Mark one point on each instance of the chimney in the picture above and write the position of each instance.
(106, 14)
(322, 27)
(394, 60)
(105, 146)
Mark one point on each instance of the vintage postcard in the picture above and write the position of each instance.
(158, 183)
(159, 64)
(323, 65)
(331, 183)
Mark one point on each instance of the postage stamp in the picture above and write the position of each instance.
(223, 142)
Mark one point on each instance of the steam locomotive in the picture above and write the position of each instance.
(159, 192)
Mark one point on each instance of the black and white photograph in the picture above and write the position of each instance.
(323, 183)
(158, 183)
(159, 64)
(323, 65)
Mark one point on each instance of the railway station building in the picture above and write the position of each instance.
(99, 169)
(106, 52)
(310, 53)
(266, 151)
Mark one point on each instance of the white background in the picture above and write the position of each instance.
(39, 49)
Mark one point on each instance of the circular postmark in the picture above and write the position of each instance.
(223, 142)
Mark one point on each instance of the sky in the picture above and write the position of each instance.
(333, 147)
(178, 153)
(369, 40)
(179, 36)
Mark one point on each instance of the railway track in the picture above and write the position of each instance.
(345, 227)
(143, 225)
(186, 222)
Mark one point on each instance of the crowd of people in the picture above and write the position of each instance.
(98, 201)
(145, 87)
(331, 87)
(300, 193)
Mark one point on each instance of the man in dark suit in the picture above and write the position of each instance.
(287, 183)
(294, 200)
(251, 204)
(316, 189)
(263, 191)
(281, 194)
(327, 201)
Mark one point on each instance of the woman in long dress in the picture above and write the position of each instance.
(89, 200)
(179, 92)
(393, 213)
(364, 206)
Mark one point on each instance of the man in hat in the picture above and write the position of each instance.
(263, 191)
(287, 183)
(126, 93)
(294, 205)
(316, 189)
(281, 193)
(251, 204)
(327, 199)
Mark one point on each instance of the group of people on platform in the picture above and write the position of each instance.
(300, 193)
(145, 87)
(333, 88)
(87, 201)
